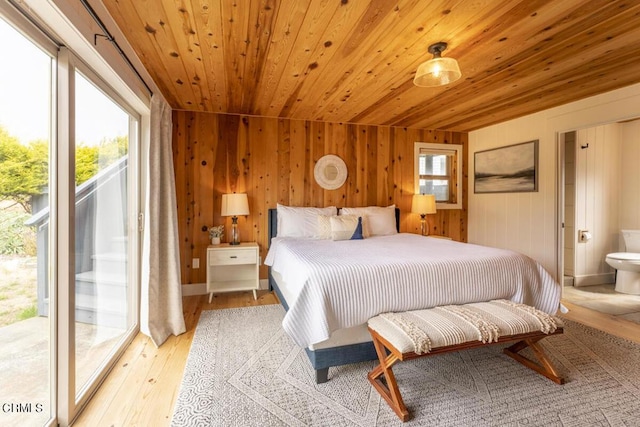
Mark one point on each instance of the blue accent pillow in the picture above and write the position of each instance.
(357, 234)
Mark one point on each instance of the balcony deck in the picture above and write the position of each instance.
(25, 364)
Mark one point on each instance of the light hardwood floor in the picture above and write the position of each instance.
(142, 388)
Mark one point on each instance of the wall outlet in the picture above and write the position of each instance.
(195, 263)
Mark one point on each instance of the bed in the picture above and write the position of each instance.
(331, 288)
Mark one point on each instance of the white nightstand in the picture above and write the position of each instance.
(233, 268)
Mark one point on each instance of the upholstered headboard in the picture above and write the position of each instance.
(273, 222)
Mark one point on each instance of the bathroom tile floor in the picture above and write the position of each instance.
(605, 299)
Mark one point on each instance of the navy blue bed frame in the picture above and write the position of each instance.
(323, 359)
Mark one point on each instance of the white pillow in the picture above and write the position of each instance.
(301, 222)
(380, 221)
(324, 227)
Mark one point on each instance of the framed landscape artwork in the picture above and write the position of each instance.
(510, 169)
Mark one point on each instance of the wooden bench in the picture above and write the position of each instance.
(413, 334)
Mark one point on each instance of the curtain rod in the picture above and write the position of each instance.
(107, 35)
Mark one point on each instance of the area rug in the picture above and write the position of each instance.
(243, 370)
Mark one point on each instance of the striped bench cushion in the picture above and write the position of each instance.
(420, 331)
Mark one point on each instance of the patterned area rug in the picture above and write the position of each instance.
(243, 370)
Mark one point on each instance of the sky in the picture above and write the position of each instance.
(25, 76)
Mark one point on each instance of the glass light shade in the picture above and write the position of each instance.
(423, 204)
(437, 72)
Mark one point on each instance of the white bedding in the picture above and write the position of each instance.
(340, 284)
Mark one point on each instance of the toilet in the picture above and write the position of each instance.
(627, 263)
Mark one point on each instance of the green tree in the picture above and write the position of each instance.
(92, 159)
(23, 169)
(86, 163)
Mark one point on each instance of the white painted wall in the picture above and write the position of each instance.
(597, 201)
(527, 222)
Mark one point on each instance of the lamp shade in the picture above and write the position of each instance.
(235, 204)
(437, 72)
(423, 204)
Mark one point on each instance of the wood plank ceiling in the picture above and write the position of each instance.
(354, 60)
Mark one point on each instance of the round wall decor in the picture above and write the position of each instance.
(330, 172)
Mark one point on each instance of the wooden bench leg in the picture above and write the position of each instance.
(383, 379)
(545, 367)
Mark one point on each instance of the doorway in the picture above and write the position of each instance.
(594, 183)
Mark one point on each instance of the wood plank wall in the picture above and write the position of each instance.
(272, 160)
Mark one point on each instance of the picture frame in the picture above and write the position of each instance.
(508, 169)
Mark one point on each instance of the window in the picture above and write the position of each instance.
(438, 171)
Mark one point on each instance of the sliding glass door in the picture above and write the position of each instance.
(68, 227)
(103, 303)
(26, 315)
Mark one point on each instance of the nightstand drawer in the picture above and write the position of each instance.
(233, 256)
(233, 268)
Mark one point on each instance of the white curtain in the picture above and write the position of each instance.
(161, 299)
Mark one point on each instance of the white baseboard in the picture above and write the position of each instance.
(191, 289)
(594, 279)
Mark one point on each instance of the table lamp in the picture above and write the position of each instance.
(235, 204)
(423, 204)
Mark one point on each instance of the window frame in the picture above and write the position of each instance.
(454, 177)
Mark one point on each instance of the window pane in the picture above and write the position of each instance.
(101, 214)
(437, 171)
(434, 164)
(439, 187)
(25, 328)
